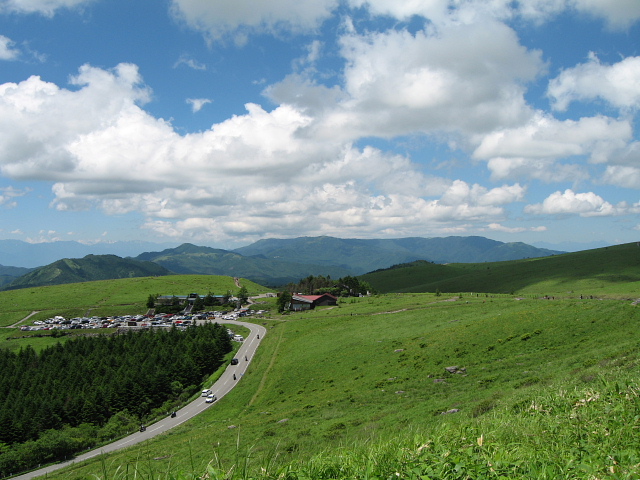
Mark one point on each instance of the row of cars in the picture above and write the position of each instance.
(62, 323)
(117, 321)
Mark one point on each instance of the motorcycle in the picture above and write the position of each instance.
(142, 428)
(173, 414)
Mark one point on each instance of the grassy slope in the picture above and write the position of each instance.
(368, 370)
(614, 270)
(109, 297)
(89, 268)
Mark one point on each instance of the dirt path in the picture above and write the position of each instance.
(266, 372)
(24, 319)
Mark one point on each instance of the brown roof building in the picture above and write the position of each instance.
(308, 302)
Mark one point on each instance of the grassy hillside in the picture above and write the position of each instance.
(610, 270)
(89, 268)
(362, 387)
(109, 297)
(544, 388)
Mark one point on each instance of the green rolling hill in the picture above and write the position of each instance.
(89, 268)
(591, 272)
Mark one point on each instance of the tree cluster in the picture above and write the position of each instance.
(94, 383)
(200, 304)
(343, 287)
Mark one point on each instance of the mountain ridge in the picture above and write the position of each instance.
(89, 268)
(276, 262)
(365, 255)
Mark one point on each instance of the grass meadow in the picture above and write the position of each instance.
(544, 389)
(108, 297)
(611, 271)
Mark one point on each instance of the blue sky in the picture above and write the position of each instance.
(221, 123)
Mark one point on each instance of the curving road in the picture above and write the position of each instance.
(222, 386)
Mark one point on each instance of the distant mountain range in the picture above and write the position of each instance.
(362, 256)
(191, 259)
(275, 262)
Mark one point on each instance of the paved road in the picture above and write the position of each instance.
(223, 386)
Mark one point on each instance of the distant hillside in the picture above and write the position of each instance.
(9, 274)
(192, 259)
(589, 272)
(361, 256)
(89, 268)
(274, 262)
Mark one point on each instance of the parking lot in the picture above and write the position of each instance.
(137, 321)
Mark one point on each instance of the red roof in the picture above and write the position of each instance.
(313, 298)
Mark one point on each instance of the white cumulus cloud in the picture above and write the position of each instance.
(241, 179)
(583, 204)
(534, 149)
(463, 79)
(618, 84)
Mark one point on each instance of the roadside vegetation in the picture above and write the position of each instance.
(75, 395)
(538, 383)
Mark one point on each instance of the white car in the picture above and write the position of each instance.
(211, 398)
(206, 392)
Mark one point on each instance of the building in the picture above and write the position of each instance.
(308, 302)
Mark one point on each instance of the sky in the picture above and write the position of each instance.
(222, 123)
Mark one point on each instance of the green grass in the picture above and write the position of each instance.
(549, 387)
(340, 391)
(609, 271)
(108, 297)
